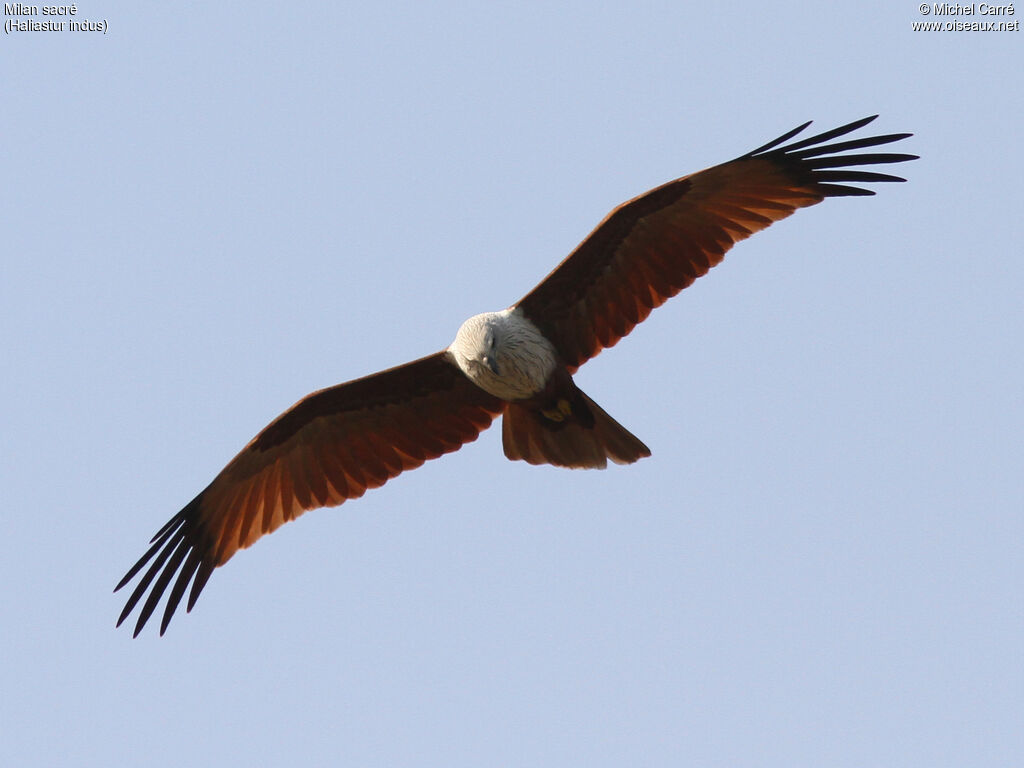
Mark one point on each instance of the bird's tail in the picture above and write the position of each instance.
(574, 433)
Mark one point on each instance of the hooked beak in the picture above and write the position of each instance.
(492, 363)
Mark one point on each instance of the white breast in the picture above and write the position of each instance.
(524, 357)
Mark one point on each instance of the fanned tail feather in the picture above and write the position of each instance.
(577, 443)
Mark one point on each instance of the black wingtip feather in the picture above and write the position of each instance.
(775, 142)
(842, 190)
(173, 551)
(180, 585)
(843, 146)
(158, 542)
(173, 563)
(811, 160)
(844, 175)
(828, 135)
(147, 578)
(874, 158)
(202, 576)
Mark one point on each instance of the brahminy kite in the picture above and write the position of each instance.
(336, 443)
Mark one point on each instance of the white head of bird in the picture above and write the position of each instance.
(504, 354)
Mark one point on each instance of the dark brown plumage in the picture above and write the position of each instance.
(335, 444)
(329, 447)
(651, 247)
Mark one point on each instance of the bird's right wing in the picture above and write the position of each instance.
(330, 446)
(650, 248)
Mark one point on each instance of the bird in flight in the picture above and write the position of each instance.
(334, 444)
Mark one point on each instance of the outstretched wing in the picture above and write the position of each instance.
(329, 447)
(653, 246)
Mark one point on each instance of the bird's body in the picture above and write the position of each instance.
(517, 363)
(548, 419)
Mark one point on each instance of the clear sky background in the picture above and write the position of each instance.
(210, 211)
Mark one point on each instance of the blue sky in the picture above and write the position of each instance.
(210, 212)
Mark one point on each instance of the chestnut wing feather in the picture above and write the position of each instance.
(329, 447)
(650, 248)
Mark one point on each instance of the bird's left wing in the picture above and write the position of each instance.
(650, 248)
(330, 446)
